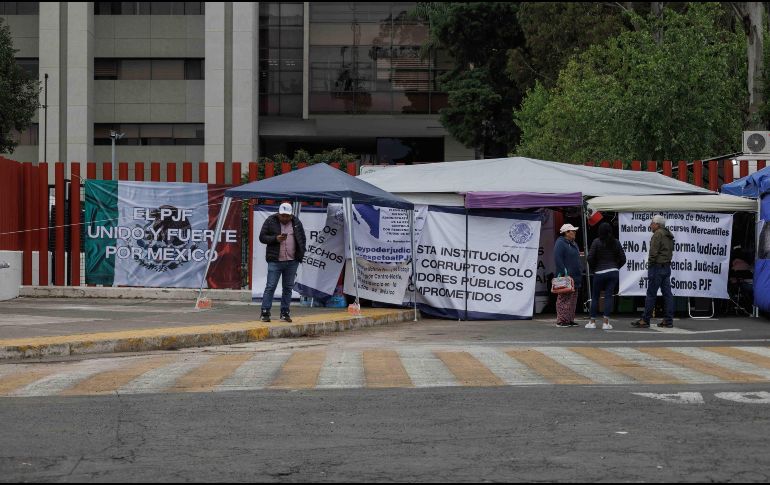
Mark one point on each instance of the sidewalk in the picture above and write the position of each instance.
(45, 327)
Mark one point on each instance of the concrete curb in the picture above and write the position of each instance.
(185, 337)
(131, 293)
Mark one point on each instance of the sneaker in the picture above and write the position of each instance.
(574, 324)
(265, 316)
(285, 317)
(640, 324)
(606, 326)
(562, 325)
(591, 324)
(666, 324)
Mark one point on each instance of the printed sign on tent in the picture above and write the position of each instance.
(320, 269)
(382, 233)
(159, 235)
(701, 252)
(386, 283)
(492, 272)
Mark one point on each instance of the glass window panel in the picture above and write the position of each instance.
(105, 69)
(168, 69)
(27, 8)
(438, 101)
(331, 12)
(269, 13)
(127, 8)
(194, 69)
(331, 103)
(331, 34)
(291, 104)
(193, 8)
(411, 103)
(291, 37)
(272, 82)
(30, 66)
(101, 130)
(269, 104)
(291, 60)
(144, 8)
(292, 14)
(410, 34)
(184, 130)
(134, 69)
(160, 8)
(412, 80)
(130, 129)
(156, 130)
(375, 102)
(177, 8)
(291, 82)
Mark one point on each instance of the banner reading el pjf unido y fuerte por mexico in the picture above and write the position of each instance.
(160, 235)
(701, 260)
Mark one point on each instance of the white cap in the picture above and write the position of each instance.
(659, 219)
(567, 227)
(285, 208)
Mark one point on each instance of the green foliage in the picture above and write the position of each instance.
(339, 155)
(18, 93)
(633, 97)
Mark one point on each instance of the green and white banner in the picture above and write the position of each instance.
(159, 235)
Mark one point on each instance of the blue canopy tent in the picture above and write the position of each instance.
(757, 186)
(319, 183)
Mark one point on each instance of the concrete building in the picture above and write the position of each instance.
(233, 81)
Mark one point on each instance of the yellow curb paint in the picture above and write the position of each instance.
(300, 371)
(553, 371)
(625, 367)
(110, 381)
(24, 377)
(208, 375)
(700, 366)
(742, 355)
(383, 368)
(255, 327)
(468, 370)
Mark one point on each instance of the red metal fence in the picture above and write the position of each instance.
(29, 216)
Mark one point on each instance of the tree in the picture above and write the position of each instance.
(18, 93)
(481, 95)
(635, 98)
(750, 15)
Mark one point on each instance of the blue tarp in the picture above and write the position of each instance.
(318, 182)
(757, 185)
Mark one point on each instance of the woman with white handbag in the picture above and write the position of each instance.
(567, 258)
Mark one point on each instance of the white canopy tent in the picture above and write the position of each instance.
(705, 203)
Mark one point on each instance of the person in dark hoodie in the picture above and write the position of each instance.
(605, 258)
(659, 274)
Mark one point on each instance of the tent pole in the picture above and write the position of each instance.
(347, 204)
(217, 232)
(758, 221)
(414, 262)
(585, 247)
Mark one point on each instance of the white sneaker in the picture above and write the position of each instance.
(606, 326)
(591, 325)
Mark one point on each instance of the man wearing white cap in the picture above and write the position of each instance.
(659, 274)
(285, 239)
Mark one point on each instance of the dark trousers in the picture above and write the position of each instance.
(607, 282)
(286, 271)
(659, 277)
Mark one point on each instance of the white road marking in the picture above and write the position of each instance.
(763, 351)
(342, 369)
(682, 373)
(24, 320)
(509, 370)
(425, 369)
(256, 373)
(163, 377)
(74, 373)
(761, 397)
(585, 367)
(679, 397)
(724, 361)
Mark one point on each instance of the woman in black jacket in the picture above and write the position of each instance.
(605, 258)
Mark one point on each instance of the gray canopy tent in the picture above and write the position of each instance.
(318, 183)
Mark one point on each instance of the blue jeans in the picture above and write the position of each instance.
(286, 271)
(659, 277)
(609, 283)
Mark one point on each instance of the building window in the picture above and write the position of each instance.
(366, 58)
(409, 150)
(150, 134)
(19, 8)
(30, 136)
(31, 66)
(149, 8)
(281, 41)
(149, 69)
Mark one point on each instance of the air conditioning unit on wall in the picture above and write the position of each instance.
(756, 143)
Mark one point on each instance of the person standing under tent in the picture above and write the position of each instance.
(659, 274)
(605, 257)
(567, 258)
(284, 236)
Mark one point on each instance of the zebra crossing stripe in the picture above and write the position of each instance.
(583, 366)
(743, 355)
(210, 374)
(684, 374)
(553, 371)
(468, 370)
(425, 369)
(701, 366)
(300, 371)
(112, 380)
(735, 365)
(58, 382)
(22, 377)
(256, 373)
(510, 371)
(342, 369)
(624, 366)
(383, 368)
(163, 378)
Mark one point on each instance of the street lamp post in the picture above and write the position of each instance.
(115, 136)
